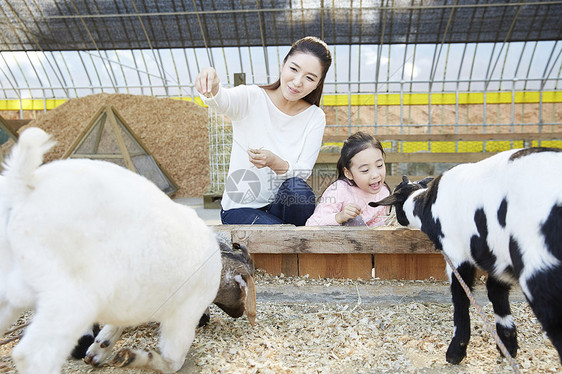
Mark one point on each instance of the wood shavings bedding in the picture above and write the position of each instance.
(342, 338)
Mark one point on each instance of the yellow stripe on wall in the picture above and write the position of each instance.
(393, 99)
(463, 146)
(443, 98)
(30, 104)
(470, 146)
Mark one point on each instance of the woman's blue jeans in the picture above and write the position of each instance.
(294, 204)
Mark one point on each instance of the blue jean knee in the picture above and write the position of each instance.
(294, 203)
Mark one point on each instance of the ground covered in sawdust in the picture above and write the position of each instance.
(360, 333)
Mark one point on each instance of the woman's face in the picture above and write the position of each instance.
(367, 170)
(300, 75)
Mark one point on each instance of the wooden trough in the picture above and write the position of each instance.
(339, 251)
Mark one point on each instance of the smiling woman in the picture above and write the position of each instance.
(277, 133)
(300, 75)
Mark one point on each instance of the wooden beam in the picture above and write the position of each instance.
(394, 180)
(394, 157)
(284, 239)
(403, 266)
(351, 266)
(16, 124)
(110, 112)
(460, 157)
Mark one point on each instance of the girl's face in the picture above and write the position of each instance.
(367, 170)
(300, 75)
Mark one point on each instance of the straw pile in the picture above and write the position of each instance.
(174, 131)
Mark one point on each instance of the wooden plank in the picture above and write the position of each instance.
(329, 239)
(119, 138)
(290, 264)
(212, 200)
(328, 157)
(101, 156)
(430, 265)
(275, 264)
(395, 157)
(455, 137)
(270, 263)
(16, 124)
(454, 157)
(394, 180)
(406, 266)
(339, 252)
(351, 266)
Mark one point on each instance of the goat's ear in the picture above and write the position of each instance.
(425, 181)
(389, 200)
(250, 302)
(405, 179)
(244, 251)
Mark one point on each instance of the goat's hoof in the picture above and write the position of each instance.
(205, 318)
(456, 353)
(510, 349)
(88, 360)
(509, 339)
(123, 358)
(93, 360)
(455, 360)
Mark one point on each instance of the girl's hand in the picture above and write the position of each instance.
(207, 82)
(348, 212)
(261, 158)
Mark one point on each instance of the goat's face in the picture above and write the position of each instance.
(400, 195)
(237, 292)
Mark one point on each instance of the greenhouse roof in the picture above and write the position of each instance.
(58, 25)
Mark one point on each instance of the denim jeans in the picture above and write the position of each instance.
(294, 204)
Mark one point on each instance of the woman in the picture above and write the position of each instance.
(276, 136)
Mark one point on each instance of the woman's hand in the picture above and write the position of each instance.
(207, 82)
(263, 157)
(348, 212)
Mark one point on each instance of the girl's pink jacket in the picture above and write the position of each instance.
(339, 194)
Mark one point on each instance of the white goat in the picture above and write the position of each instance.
(503, 215)
(84, 241)
(236, 295)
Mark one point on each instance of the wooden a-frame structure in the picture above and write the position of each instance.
(108, 137)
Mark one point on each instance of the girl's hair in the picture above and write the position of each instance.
(352, 146)
(316, 47)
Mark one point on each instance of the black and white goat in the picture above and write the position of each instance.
(503, 215)
(84, 241)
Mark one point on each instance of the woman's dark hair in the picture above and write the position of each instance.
(316, 47)
(352, 146)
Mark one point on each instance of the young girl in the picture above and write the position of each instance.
(361, 174)
(277, 133)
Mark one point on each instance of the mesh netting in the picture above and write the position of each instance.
(220, 145)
